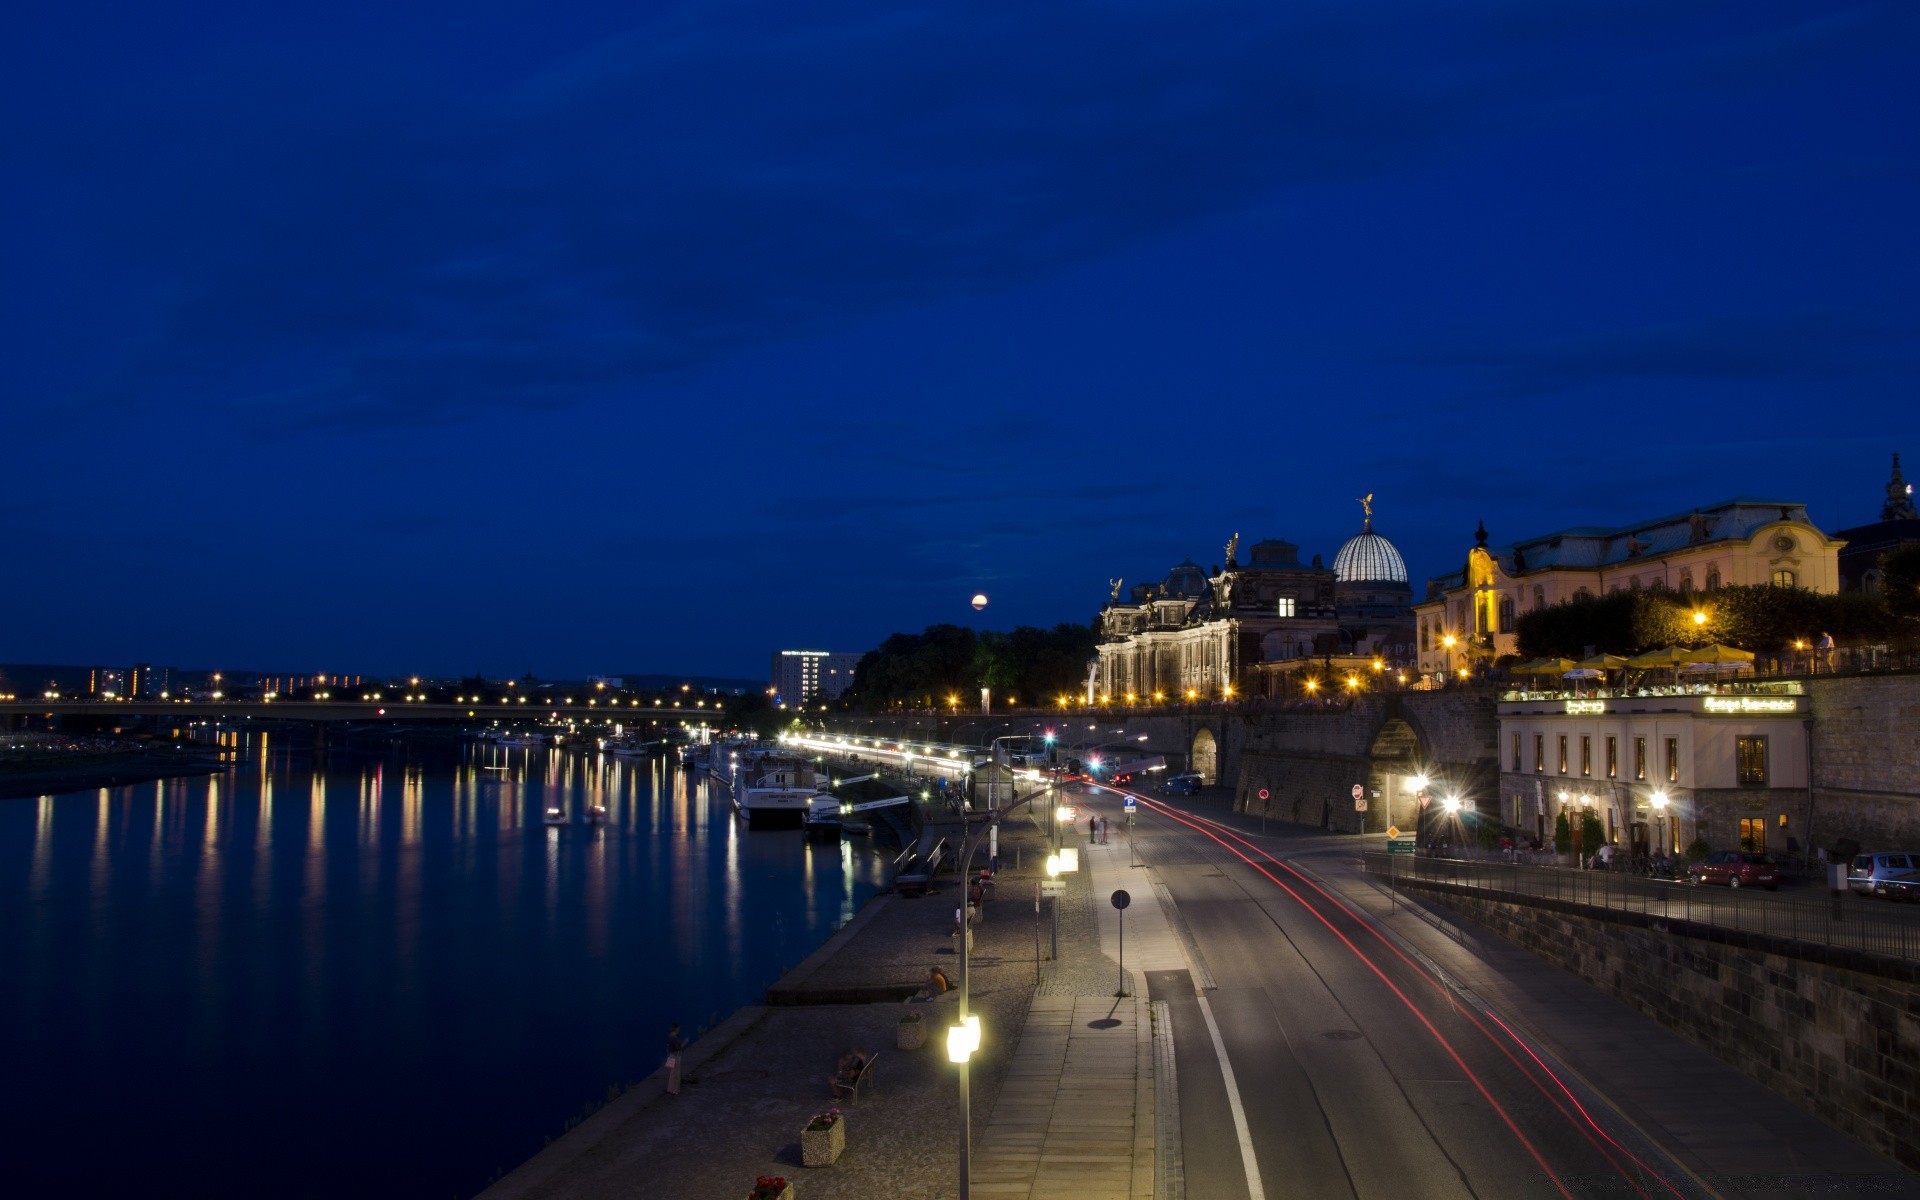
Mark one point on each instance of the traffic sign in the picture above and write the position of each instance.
(1359, 804)
(1263, 793)
(1129, 806)
(1393, 831)
(1359, 792)
(1400, 845)
(1121, 899)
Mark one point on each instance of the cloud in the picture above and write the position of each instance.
(1800, 348)
(328, 251)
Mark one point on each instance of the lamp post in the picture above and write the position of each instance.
(963, 1038)
(1053, 873)
(1659, 799)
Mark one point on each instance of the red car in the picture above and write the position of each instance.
(1736, 869)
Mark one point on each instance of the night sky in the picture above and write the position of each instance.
(567, 337)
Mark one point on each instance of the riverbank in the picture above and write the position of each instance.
(49, 774)
(750, 1085)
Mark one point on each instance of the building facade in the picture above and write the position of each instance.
(1661, 772)
(1867, 546)
(803, 676)
(1471, 615)
(1200, 635)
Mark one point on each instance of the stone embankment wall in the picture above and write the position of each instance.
(1866, 761)
(1835, 1032)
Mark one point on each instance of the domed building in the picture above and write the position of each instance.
(1373, 595)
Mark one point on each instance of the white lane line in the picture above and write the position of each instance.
(1252, 1168)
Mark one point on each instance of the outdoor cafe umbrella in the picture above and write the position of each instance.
(1545, 666)
(1665, 656)
(1603, 662)
(1717, 653)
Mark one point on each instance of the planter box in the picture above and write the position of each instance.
(819, 1147)
(911, 1035)
(786, 1193)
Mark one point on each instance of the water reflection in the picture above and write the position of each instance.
(381, 966)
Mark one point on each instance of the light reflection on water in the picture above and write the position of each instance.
(385, 976)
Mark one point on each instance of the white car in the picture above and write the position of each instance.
(1868, 871)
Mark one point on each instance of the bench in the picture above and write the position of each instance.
(851, 1091)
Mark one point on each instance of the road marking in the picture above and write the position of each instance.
(1252, 1168)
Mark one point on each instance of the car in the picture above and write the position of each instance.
(1736, 869)
(1181, 785)
(1902, 885)
(1867, 871)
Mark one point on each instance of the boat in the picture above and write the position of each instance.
(772, 789)
(628, 745)
(557, 816)
(596, 814)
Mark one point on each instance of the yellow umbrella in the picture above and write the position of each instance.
(1717, 653)
(1665, 656)
(1546, 666)
(1604, 662)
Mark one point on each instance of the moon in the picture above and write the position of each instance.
(979, 601)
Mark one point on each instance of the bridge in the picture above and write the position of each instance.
(321, 714)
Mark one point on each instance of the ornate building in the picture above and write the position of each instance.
(1208, 635)
(1897, 528)
(1471, 614)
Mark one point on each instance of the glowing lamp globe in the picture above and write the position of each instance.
(979, 601)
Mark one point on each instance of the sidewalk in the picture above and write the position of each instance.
(1062, 1087)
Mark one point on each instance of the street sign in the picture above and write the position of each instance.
(1121, 899)
(1263, 793)
(1359, 792)
(1359, 804)
(1052, 887)
(1393, 831)
(1129, 806)
(1400, 846)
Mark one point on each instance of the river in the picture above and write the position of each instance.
(377, 972)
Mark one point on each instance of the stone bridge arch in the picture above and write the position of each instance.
(1203, 756)
(1396, 753)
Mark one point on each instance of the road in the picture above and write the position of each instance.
(1355, 1069)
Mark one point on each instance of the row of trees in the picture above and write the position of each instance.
(1025, 665)
(1758, 618)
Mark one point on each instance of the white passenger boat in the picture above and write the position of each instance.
(773, 789)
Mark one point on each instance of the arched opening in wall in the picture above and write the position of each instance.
(1204, 758)
(1393, 760)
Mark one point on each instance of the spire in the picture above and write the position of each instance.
(1480, 536)
(1899, 505)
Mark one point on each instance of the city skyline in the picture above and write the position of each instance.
(577, 340)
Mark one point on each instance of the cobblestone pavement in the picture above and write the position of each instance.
(756, 1081)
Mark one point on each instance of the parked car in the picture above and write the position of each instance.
(1868, 871)
(1904, 885)
(1736, 869)
(1181, 785)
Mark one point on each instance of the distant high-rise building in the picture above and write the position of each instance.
(147, 682)
(800, 676)
(102, 681)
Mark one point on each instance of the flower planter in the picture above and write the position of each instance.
(820, 1147)
(762, 1192)
(911, 1034)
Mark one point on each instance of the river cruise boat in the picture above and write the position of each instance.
(772, 789)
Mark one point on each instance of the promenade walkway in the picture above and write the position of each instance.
(1063, 1087)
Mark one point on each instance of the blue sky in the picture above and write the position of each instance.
(565, 338)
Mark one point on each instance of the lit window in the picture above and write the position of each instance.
(1284, 607)
(1783, 578)
(1750, 759)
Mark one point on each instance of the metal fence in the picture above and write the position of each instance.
(1846, 922)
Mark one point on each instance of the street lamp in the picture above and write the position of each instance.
(963, 1039)
(1659, 799)
(1053, 874)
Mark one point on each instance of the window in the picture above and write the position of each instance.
(1870, 583)
(1506, 613)
(1539, 597)
(1563, 754)
(1613, 757)
(1686, 579)
(1750, 760)
(1586, 754)
(1673, 760)
(1753, 834)
(1425, 641)
(1582, 594)
(1783, 578)
(1516, 752)
(1540, 753)
(1639, 758)
(1284, 607)
(1713, 579)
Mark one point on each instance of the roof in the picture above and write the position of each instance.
(1589, 547)
(1369, 558)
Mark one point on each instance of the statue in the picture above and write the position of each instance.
(1114, 596)
(1635, 547)
(1899, 505)
(1233, 543)
(1480, 536)
(1699, 525)
(1366, 506)
(1519, 560)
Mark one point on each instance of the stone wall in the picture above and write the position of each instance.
(1866, 761)
(1835, 1032)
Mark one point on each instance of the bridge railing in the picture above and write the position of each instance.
(1847, 922)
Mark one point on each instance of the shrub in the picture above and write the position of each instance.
(1562, 834)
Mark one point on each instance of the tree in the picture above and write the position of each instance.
(1900, 582)
(1562, 833)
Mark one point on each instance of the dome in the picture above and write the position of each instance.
(1369, 558)
(1185, 582)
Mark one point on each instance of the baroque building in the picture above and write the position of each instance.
(1208, 635)
(1471, 615)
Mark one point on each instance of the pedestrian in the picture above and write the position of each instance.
(1825, 647)
(675, 1044)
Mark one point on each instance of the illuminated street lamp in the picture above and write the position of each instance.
(963, 1038)
(1659, 799)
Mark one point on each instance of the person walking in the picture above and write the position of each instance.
(675, 1044)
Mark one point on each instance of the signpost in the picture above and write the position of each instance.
(1133, 855)
(1359, 798)
(1263, 810)
(1120, 901)
(1397, 844)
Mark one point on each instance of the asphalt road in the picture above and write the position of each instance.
(1358, 1071)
